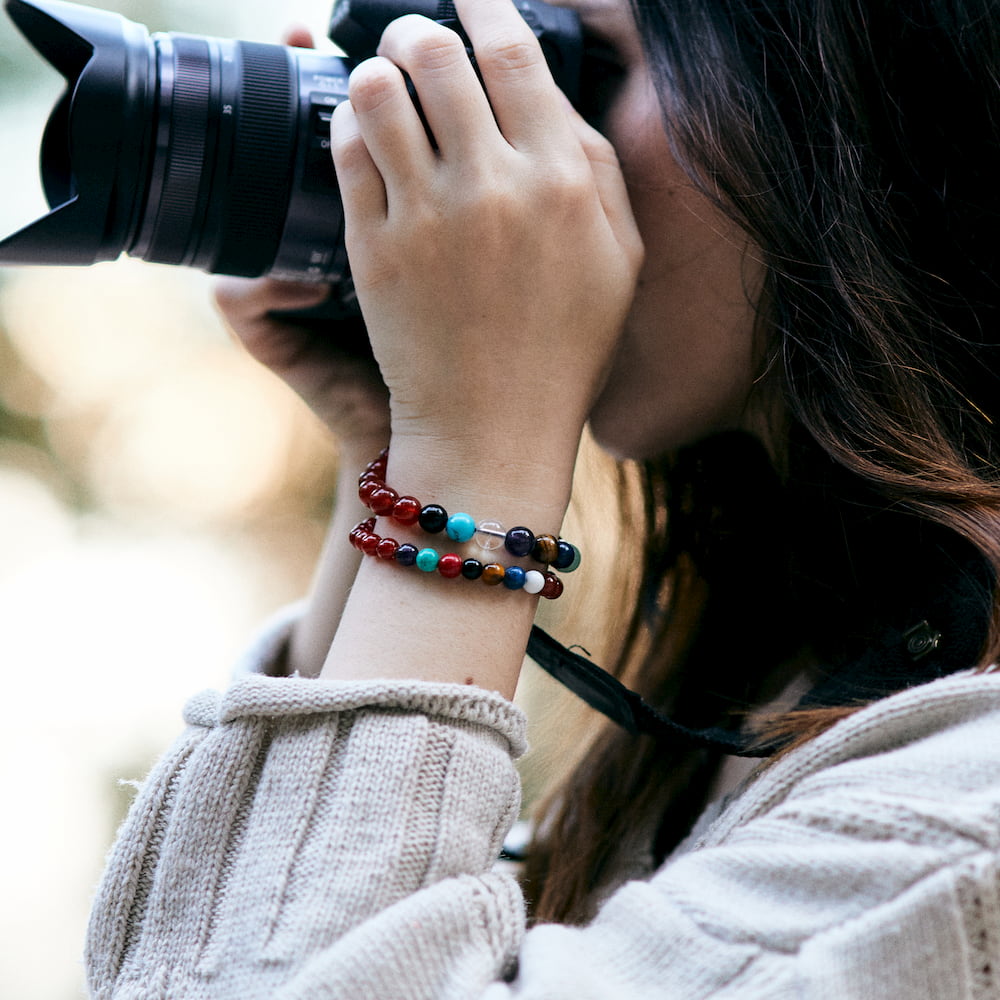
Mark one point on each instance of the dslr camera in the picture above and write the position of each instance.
(209, 152)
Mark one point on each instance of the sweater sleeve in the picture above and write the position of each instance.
(308, 840)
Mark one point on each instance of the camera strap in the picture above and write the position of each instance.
(939, 635)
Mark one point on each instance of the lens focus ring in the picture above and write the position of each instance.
(185, 169)
(261, 170)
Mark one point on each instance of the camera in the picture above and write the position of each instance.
(208, 152)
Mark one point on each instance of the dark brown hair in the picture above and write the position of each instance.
(857, 143)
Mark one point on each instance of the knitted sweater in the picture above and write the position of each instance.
(307, 839)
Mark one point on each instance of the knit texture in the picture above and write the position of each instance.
(306, 839)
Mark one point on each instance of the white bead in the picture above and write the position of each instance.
(533, 581)
(490, 535)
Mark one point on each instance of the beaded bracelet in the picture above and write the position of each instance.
(433, 518)
(450, 565)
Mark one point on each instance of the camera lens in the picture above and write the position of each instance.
(224, 136)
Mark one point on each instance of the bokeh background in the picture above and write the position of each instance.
(160, 495)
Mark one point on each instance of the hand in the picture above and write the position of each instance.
(331, 368)
(494, 265)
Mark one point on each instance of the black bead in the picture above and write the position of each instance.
(472, 569)
(433, 518)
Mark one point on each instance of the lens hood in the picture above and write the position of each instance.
(91, 159)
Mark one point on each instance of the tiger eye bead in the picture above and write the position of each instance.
(546, 549)
(493, 573)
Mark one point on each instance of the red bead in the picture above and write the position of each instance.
(386, 549)
(367, 488)
(383, 500)
(369, 544)
(450, 565)
(406, 510)
(553, 587)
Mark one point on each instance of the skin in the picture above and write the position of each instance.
(488, 386)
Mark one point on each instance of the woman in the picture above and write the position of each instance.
(780, 297)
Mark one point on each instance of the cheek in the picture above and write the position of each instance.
(685, 363)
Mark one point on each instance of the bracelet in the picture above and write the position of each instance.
(433, 518)
(451, 565)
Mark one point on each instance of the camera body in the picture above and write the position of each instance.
(209, 152)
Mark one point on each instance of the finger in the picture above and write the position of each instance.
(524, 97)
(244, 300)
(608, 178)
(387, 120)
(451, 96)
(362, 189)
(299, 37)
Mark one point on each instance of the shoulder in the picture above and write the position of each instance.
(933, 742)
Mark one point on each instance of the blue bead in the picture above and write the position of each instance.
(460, 527)
(568, 557)
(513, 579)
(519, 541)
(427, 560)
(406, 554)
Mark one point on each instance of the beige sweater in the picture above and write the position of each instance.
(309, 840)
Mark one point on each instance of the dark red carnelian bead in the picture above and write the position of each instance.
(367, 488)
(553, 587)
(383, 500)
(450, 565)
(386, 549)
(406, 510)
(369, 544)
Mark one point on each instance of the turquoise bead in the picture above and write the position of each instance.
(427, 560)
(460, 527)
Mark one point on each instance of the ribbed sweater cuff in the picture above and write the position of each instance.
(292, 811)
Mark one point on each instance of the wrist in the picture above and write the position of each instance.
(515, 480)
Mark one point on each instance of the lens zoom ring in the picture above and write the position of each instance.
(261, 172)
(186, 163)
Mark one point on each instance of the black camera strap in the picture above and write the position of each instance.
(938, 636)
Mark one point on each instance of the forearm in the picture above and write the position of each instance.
(402, 623)
(337, 568)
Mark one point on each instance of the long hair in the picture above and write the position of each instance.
(857, 144)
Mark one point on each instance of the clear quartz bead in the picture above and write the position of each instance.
(489, 535)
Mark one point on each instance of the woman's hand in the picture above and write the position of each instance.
(495, 264)
(329, 365)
